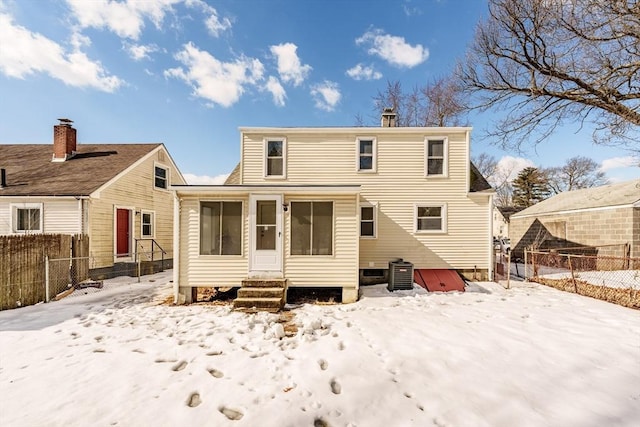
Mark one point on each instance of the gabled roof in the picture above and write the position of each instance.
(620, 194)
(30, 171)
(234, 176)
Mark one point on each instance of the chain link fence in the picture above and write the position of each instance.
(81, 275)
(610, 278)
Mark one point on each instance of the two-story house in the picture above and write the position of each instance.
(117, 194)
(318, 207)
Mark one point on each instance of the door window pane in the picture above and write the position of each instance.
(266, 225)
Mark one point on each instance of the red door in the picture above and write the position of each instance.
(122, 232)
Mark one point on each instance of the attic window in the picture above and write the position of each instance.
(161, 175)
(275, 158)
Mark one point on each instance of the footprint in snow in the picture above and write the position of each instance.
(230, 413)
(341, 346)
(215, 373)
(336, 388)
(194, 400)
(180, 366)
(319, 422)
(214, 353)
(323, 364)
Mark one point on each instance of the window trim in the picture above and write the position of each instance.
(374, 154)
(333, 227)
(14, 217)
(443, 216)
(445, 156)
(167, 179)
(242, 228)
(153, 224)
(265, 160)
(375, 220)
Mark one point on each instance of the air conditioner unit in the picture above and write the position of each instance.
(400, 275)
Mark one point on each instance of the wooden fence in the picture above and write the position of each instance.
(22, 265)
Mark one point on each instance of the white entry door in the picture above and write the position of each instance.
(266, 235)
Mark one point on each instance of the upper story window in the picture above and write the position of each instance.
(161, 177)
(27, 218)
(431, 218)
(366, 154)
(436, 157)
(275, 158)
(368, 221)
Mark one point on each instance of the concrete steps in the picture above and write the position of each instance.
(261, 295)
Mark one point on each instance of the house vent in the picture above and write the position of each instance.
(400, 275)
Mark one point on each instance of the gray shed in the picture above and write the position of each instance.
(591, 217)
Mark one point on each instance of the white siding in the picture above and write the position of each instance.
(209, 270)
(337, 270)
(59, 216)
(398, 184)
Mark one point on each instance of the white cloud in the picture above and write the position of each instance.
(220, 82)
(139, 52)
(619, 162)
(393, 49)
(24, 52)
(126, 18)
(289, 66)
(277, 91)
(509, 167)
(193, 179)
(326, 94)
(364, 72)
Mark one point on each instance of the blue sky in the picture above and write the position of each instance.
(188, 73)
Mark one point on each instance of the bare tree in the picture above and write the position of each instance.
(578, 172)
(445, 105)
(498, 177)
(440, 102)
(547, 62)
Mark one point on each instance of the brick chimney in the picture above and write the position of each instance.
(64, 141)
(388, 118)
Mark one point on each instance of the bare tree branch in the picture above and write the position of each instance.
(544, 63)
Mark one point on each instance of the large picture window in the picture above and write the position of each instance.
(311, 228)
(276, 164)
(221, 228)
(431, 218)
(436, 158)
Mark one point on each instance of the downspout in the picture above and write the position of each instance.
(490, 239)
(176, 246)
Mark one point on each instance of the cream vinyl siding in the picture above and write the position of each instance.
(58, 216)
(209, 270)
(398, 184)
(133, 190)
(337, 270)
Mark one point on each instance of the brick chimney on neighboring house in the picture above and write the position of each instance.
(64, 141)
(388, 118)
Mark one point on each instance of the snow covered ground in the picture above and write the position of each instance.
(528, 356)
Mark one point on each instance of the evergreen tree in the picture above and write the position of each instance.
(530, 187)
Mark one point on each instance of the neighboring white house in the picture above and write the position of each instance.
(117, 194)
(320, 206)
